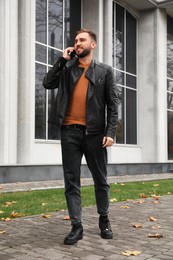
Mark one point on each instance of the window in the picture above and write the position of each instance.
(170, 86)
(56, 23)
(124, 62)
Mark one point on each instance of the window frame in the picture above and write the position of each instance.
(47, 64)
(124, 86)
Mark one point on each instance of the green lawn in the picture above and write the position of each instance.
(47, 201)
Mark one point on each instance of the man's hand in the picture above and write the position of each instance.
(67, 51)
(107, 141)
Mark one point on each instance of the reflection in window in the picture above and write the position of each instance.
(124, 62)
(170, 86)
(56, 23)
(40, 103)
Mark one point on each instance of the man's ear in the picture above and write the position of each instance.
(93, 45)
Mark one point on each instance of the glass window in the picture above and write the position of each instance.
(170, 86)
(56, 23)
(40, 103)
(124, 62)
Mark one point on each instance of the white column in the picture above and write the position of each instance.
(8, 80)
(93, 19)
(161, 100)
(107, 42)
(25, 80)
(152, 86)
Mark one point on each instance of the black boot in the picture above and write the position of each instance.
(105, 227)
(75, 234)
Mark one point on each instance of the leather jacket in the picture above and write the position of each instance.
(102, 96)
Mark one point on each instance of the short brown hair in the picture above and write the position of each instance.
(92, 34)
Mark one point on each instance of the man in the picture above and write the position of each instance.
(86, 109)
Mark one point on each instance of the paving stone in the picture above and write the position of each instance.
(35, 238)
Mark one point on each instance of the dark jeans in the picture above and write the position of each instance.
(75, 144)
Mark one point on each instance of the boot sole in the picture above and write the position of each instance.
(69, 242)
(107, 236)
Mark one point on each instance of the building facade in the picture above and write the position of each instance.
(134, 37)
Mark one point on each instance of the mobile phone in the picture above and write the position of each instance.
(72, 54)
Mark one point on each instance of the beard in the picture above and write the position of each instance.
(84, 53)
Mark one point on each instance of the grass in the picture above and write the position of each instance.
(47, 201)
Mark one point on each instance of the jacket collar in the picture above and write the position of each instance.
(90, 73)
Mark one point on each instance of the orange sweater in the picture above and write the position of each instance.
(76, 113)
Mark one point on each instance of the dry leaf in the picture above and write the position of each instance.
(156, 202)
(113, 200)
(156, 185)
(124, 207)
(130, 252)
(1, 212)
(43, 204)
(139, 202)
(47, 216)
(152, 218)
(137, 226)
(156, 227)
(117, 190)
(66, 218)
(15, 214)
(2, 231)
(142, 195)
(156, 197)
(122, 184)
(9, 203)
(157, 235)
(6, 219)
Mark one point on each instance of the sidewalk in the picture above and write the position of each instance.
(40, 185)
(36, 238)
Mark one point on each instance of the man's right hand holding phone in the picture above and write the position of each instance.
(69, 53)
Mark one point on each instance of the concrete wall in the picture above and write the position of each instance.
(152, 85)
(8, 80)
(17, 91)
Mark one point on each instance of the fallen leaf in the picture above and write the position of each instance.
(152, 218)
(130, 252)
(156, 202)
(46, 216)
(143, 195)
(113, 200)
(156, 185)
(122, 184)
(9, 203)
(139, 202)
(137, 226)
(156, 227)
(156, 197)
(66, 218)
(1, 212)
(157, 235)
(117, 190)
(124, 207)
(43, 204)
(2, 231)
(6, 219)
(15, 214)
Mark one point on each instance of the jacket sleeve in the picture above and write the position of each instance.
(52, 77)
(112, 103)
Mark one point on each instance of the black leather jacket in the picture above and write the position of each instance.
(102, 96)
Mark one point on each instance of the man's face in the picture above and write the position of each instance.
(83, 45)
